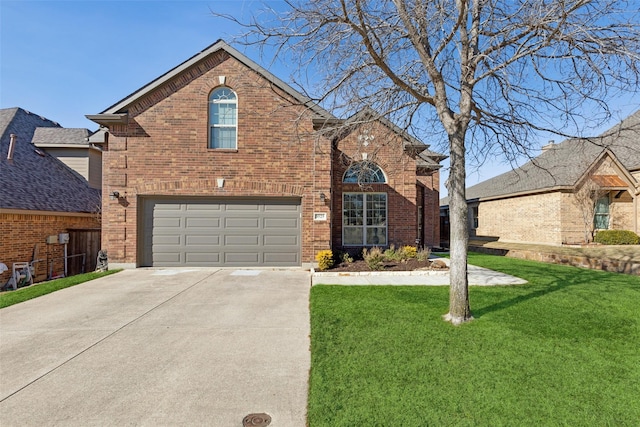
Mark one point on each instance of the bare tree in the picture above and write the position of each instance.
(487, 75)
(585, 199)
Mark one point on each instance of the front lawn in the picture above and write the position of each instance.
(561, 350)
(43, 288)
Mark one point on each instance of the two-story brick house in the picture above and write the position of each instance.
(219, 163)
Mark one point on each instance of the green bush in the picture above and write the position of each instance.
(392, 254)
(325, 259)
(373, 257)
(617, 237)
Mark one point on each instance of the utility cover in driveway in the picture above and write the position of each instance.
(221, 232)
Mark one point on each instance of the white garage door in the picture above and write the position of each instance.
(220, 232)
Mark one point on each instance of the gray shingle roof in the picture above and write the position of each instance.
(48, 135)
(563, 164)
(34, 180)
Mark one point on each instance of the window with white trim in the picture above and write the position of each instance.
(223, 119)
(364, 219)
(364, 173)
(601, 216)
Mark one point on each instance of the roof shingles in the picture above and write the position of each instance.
(562, 165)
(34, 180)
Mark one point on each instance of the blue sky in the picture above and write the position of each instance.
(65, 59)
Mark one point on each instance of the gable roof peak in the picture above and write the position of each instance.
(114, 112)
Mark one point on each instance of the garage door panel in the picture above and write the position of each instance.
(242, 258)
(280, 258)
(242, 207)
(242, 223)
(219, 232)
(167, 257)
(167, 222)
(202, 240)
(203, 222)
(166, 240)
(241, 240)
(204, 207)
(280, 240)
(205, 259)
(286, 223)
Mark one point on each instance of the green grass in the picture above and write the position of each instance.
(39, 289)
(561, 350)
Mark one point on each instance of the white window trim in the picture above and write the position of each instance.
(213, 126)
(364, 220)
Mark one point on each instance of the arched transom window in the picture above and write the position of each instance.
(364, 173)
(223, 119)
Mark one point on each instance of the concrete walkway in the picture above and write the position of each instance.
(159, 347)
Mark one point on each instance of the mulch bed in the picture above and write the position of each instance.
(409, 265)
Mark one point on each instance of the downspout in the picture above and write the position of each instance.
(12, 146)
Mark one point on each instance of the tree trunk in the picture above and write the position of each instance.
(459, 309)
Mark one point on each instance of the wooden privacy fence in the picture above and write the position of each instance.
(83, 241)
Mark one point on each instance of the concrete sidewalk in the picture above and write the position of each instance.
(159, 347)
(478, 276)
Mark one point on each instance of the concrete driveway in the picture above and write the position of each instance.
(159, 347)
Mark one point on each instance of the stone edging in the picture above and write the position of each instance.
(611, 265)
(379, 273)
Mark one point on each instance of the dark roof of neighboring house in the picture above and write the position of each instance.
(61, 136)
(35, 180)
(562, 165)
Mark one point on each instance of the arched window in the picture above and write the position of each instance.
(364, 173)
(223, 119)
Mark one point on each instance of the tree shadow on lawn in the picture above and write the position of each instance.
(557, 278)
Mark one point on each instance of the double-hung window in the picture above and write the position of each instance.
(601, 216)
(364, 219)
(223, 119)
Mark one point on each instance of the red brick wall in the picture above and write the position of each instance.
(386, 150)
(22, 232)
(163, 151)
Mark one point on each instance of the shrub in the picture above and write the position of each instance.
(423, 254)
(617, 237)
(392, 254)
(325, 259)
(346, 257)
(373, 257)
(408, 252)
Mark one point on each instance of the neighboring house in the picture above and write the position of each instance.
(39, 196)
(536, 203)
(219, 163)
(73, 148)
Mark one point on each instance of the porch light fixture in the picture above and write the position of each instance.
(114, 195)
(322, 197)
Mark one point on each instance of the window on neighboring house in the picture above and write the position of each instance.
(601, 217)
(474, 212)
(364, 219)
(364, 173)
(223, 119)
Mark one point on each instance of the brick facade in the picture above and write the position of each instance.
(554, 217)
(162, 150)
(406, 187)
(22, 232)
